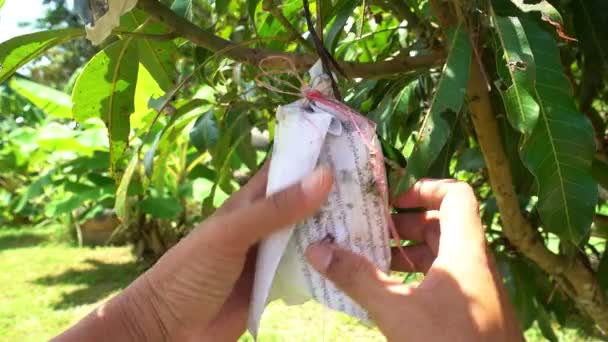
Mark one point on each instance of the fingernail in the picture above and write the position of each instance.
(312, 182)
(320, 256)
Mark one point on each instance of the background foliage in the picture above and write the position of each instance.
(164, 120)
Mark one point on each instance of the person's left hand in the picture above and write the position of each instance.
(200, 289)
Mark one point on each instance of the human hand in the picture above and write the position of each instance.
(461, 297)
(200, 289)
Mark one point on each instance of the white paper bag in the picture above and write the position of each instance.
(310, 133)
(102, 16)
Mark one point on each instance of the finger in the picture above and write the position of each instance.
(248, 225)
(420, 257)
(353, 274)
(426, 193)
(253, 190)
(422, 227)
(461, 228)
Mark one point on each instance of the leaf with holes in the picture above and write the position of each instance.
(157, 56)
(560, 149)
(105, 89)
(520, 105)
(547, 12)
(16, 52)
(448, 99)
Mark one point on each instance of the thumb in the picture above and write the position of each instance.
(355, 275)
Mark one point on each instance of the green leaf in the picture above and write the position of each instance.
(34, 190)
(521, 107)
(16, 52)
(559, 151)
(53, 102)
(122, 204)
(599, 170)
(344, 9)
(106, 89)
(520, 287)
(157, 56)
(470, 160)
(166, 208)
(544, 7)
(448, 100)
(221, 6)
(185, 115)
(149, 156)
(589, 18)
(544, 324)
(183, 8)
(205, 133)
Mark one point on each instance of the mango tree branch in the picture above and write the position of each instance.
(578, 280)
(181, 27)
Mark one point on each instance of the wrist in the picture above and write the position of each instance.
(144, 314)
(130, 316)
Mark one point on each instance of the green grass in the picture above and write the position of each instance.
(47, 284)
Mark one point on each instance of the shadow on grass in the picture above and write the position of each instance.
(99, 281)
(22, 240)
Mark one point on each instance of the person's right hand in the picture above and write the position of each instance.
(461, 297)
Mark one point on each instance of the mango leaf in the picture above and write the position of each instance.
(543, 6)
(448, 99)
(183, 8)
(166, 208)
(520, 287)
(544, 324)
(591, 27)
(520, 105)
(470, 160)
(16, 52)
(559, 150)
(168, 138)
(156, 56)
(121, 206)
(149, 156)
(205, 133)
(599, 170)
(547, 12)
(34, 190)
(53, 102)
(106, 89)
(343, 10)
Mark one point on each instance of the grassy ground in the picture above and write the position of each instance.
(46, 284)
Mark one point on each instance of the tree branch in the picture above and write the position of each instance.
(303, 62)
(573, 274)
